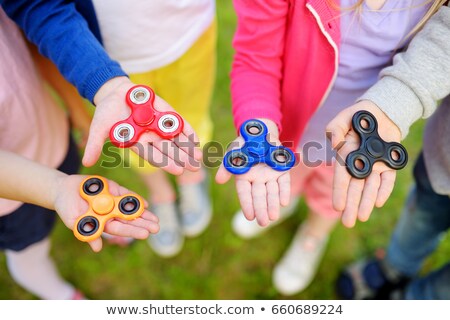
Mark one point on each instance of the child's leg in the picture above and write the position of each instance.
(24, 238)
(434, 286)
(299, 264)
(160, 188)
(322, 217)
(319, 226)
(187, 84)
(169, 240)
(425, 218)
(33, 269)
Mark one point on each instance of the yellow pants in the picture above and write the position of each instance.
(187, 85)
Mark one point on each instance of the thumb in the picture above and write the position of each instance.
(94, 144)
(222, 175)
(339, 127)
(96, 245)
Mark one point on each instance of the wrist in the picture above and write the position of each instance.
(56, 187)
(381, 116)
(109, 87)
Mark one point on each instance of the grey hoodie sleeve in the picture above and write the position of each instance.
(411, 88)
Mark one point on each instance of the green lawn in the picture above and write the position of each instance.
(218, 265)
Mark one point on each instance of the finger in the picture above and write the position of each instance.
(117, 228)
(341, 182)
(369, 196)
(193, 150)
(156, 158)
(147, 215)
(342, 178)
(244, 192)
(142, 223)
(355, 190)
(284, 184)
(339, 127)
(150, 226)
(167, 147)
(273, 200)
(222, 175)
(386, 187)
(96, 245)
(190, 133)
(259, 198)
(170, 150)
(94, 145)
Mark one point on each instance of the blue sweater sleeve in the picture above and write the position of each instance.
(63, 35)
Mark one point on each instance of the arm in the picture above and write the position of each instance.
(27, 181)
(79, 116)
(407, 91)
(257, 67)
(63, 35)
(256, 93)
(411, 88)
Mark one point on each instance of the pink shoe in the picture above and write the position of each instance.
(78, 295)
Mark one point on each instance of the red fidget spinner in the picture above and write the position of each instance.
(144, 117)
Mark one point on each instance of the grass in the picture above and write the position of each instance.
(218, 265)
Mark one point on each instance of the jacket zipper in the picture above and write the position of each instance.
(336, 51)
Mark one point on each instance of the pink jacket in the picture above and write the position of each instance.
(285, 63)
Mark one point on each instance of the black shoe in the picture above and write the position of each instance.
(367, 280)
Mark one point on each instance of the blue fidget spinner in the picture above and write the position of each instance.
(257, 150)
(373, 148)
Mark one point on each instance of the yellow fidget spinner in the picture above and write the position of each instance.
(103, 206)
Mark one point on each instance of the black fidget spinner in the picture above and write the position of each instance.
(372, 148)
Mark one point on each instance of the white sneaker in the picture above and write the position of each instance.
(195, 208)
(169, 240)
(249, 229)
(298, 266)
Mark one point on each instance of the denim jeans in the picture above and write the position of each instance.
(424, 220)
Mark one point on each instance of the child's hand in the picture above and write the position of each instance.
(81, 124)
(261, 190)
(356, 198)
(69, 205)
(173, 156)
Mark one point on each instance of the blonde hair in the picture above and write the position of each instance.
(436, 4)
(431, 11)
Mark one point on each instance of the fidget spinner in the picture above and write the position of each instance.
(103, 206)
(373, 148)
(144, 117)
(257, 150)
